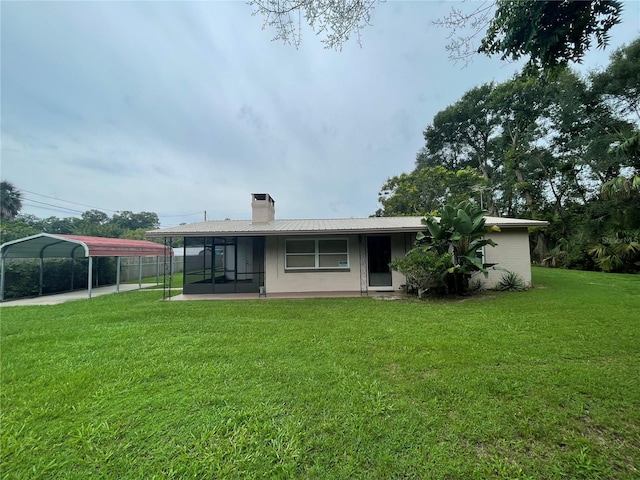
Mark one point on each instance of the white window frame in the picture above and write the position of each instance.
(317, 254)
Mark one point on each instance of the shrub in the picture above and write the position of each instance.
(511, 282)
(423, 269)
(22, 276)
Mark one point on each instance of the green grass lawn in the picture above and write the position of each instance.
(176, 281)
(543, 384)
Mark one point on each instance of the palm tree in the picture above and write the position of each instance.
(10, 201)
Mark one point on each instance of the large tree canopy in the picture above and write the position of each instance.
(547, 32)
(561, 148)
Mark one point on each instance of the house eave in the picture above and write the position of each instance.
(320, 227)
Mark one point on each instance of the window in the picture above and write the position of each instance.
(317, 254)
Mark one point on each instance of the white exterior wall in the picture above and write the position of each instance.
(279, 281)
(512, 253)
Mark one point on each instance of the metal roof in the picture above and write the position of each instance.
(46, 245)
(319, 226)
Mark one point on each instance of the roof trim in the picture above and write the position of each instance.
(345, 226)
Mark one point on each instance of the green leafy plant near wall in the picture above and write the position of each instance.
(450, 250)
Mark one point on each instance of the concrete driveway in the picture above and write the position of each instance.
(70, 296)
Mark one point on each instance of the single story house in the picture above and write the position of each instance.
(268, 255)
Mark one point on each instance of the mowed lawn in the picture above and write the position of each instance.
(542, 385)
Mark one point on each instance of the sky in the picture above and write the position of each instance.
(182, 108)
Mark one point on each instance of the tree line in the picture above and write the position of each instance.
(557, 146)
(125, 224)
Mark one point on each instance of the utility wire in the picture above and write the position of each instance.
(90, 206)
(55, 206)
(67, 201)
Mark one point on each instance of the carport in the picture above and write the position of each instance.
(45, 245)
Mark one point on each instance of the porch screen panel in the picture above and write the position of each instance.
(198, 263)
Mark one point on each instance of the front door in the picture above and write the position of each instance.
(379, 257)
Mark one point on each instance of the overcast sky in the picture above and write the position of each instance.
(181, 107)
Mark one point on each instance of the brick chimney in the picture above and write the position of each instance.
(263, 208)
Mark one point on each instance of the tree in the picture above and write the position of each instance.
(337, 20)
(127, 220)
(461, 136)
(10, 201)
(619, 87)
(548, 32)
(428, 189)
(517, 105)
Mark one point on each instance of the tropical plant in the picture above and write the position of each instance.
(557, 255)
(10, 201)
(460, 231)
(620, 253)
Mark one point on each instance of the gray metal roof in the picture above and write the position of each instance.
(319, 226)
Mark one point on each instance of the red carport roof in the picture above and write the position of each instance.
(46, 245)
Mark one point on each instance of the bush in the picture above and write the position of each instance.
(22, 276)
(423, 269)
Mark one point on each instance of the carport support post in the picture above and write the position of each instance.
(4, 264)
(41, 274)
(117, 274)
(90, 276)
(139, 272)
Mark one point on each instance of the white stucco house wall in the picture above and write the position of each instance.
(319, 255)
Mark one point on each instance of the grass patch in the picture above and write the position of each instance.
(158, 282)
(539, 384)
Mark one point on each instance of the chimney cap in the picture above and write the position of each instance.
(261, 197)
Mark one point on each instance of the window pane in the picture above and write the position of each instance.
(301, 261)
(332, 246)
(333, 261)
(301, 246)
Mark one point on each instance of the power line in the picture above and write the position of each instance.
(66, 201)
(90, 206)
(55, 206)
(185, 215)
(49, 208)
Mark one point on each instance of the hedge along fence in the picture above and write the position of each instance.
(22, 276)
